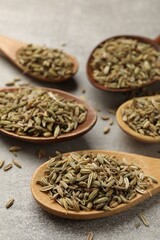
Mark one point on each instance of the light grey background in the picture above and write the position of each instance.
(81, 24)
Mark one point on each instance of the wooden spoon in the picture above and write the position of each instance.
(154, 43)
(149, 165)
(9, 48)
(81, 129)
(125, 127)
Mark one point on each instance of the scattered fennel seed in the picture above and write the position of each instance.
(104, 117)
(9, 203)
(90, 236)
(144, 219)
(106, 130)
(15, 149)
(16, 163)
(8, 167)
(137, 225)
(10, 84)
(1, 163)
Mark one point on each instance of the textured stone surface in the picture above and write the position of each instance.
(81, 24)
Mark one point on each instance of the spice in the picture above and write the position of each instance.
(39, 113)
(15, 149)
(106, 130)
(111, 122)
(16, 163)
(45, 62)
(104, 117)
(86, 181)
(10, 84)
(143, 116)
(144, 219)
(83, 91)
(1, 163)
(90, 236)
(137, 225)
(125, 63)
(8, 167)
(9, 203)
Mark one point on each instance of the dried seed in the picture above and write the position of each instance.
(104, 117)
(10, 84)
(45, 62)
(56, 131)
(141, 116)
(47, 134)
(75, 205)
(46, 188)
(137, 225)
(16, 163)
(90, 236)
(144, 219)
(17, 79)
(111, 122)
(1, 163)
(113, 204)
(15, 149)
(89, 181)
(106, 130)
(90, 178)
(9, 203)
(112, 111)
(124, 63)
(39, 113)
(60, 191)
(7, 167)
(83, 90)
(100, 200)
(106, 208)
(93, 195)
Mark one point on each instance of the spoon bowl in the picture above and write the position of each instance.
(9, 48)
(149, 165)
(154, 43)
(125, 127)
(80, 130)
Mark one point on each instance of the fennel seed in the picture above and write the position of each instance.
(1, 163)
(9, 203)
(92, 181)
(17, 164)
(8, 167)
(15, 149)
(144, 219)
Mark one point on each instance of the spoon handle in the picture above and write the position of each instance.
(9, 47)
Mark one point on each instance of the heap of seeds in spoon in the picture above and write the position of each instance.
(39, 113)
(45, 62)
(125, 63)
(143, 116)
(87, 181)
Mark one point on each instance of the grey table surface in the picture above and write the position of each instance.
(81, 25)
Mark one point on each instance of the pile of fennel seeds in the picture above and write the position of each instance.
(125, 63)
(45, 62)
(143, 116)
(39, 113)
(89, 181)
